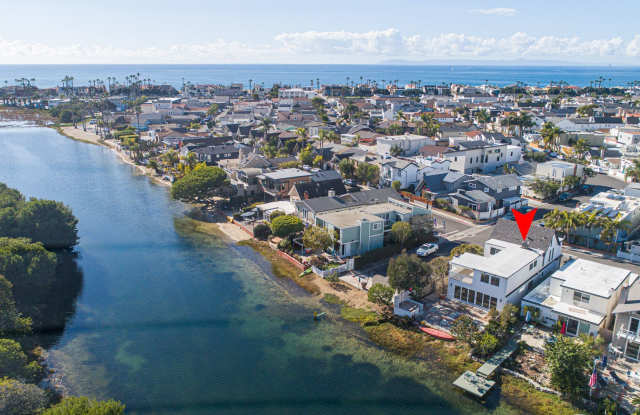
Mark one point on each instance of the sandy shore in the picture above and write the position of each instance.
(92, 138)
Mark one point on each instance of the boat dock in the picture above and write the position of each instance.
(479, 384)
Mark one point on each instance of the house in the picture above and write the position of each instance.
(213, 154)
(614, 205)
(581, 295)
(558, 170)
(313, 189)
(407, 144)
(360, 229)
(403, 171)
(626, 331)
(477, 157)
(278, 183)
(489, 195)
(508, 269)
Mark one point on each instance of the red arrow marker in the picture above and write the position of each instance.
(524, 221)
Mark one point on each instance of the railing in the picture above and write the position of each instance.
(467, 279)
(629, 335)
(324, 273)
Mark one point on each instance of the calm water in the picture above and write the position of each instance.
(172, 321)
(50, 75)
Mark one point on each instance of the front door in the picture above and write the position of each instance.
(572, 325)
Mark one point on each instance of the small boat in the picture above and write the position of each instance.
(305, 272)
(438, 334)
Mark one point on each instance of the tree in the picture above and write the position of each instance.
(170, 158)
(153, 164)
(483, 117)
(569, 362)
(11, 321)
(396, 185)
(275, 214)
(49, 222)
(580, 148)
(17, 398)
(440, 272)
(408, 272)
(261, 231)
(368, 173)
(317, 161)
(465, 329)
(571, 182)
(201, 183)
(396, 150)
(306, 156)
(30, 268)
(286, 225)
(550, 135)
(213, 110)
(546, 189)
(401, 232)
(14, 362)
(486, 343)
(347, 168)
(317, 238)
(461, 249)
(85, 406)
(633, 171)
(380, 294)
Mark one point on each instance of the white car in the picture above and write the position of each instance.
(427, 249)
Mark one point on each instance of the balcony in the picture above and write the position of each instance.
(461, 274)
(629, 335)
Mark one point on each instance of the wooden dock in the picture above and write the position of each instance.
(479, 384)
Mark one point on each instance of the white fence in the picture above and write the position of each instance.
(324, 273)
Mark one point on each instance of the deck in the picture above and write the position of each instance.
(474, 384)
(478, 383)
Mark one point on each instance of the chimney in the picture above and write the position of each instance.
(331, 193)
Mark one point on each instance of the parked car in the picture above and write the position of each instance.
(524, 209)
(427, 249)
(349, 182)
(587, 190)
(564, 197)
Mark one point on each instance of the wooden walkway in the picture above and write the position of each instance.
(478, 384)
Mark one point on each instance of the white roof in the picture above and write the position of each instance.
(283, 205)
(591, 277)
(503, 264)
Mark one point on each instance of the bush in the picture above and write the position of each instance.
(396, 185)
(376, 255)
(17, 398)
(333, 277)
(317, 238)
(380, 294)
(286, 225)
(262, 231)
(285, 245)
(401, 232)
(85, 406)
(275, 214)
(409, 272)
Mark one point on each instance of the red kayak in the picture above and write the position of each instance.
(438, 334)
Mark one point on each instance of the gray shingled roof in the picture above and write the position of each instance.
(538, 236)
(499, 182)
(367, 197)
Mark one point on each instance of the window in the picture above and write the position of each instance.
(472, 185)
(465, 294)
(484, 278)
(493, 251)
(472, 296)
(486, 301)
(581, 297)
(493, 303)
(479, 299)
(632, 350)
(486, 190)
(456, 292)
(495, 281)
(376, 226)
(633, 325)
(533, 264)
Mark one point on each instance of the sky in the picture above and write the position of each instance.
(344, 32)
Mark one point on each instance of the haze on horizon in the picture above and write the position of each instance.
(352, 32)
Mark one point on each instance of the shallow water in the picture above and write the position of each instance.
(171, 321)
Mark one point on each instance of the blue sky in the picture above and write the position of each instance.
(198, 31)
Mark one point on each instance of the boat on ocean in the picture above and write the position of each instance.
(438, 334)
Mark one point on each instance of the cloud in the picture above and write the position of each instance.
(334, 47)
(383, 42)
(498, 11)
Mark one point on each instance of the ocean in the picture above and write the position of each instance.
(50, 75)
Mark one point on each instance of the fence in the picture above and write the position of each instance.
(324, 273)
(291, 259)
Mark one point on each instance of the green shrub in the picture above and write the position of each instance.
(262, 231)
(376, 255)
(286, 225)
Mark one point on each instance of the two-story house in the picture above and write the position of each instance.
(507, 270)
(278, 183)
(403, 171)
(626, 332)
(489, 195)
(478, 157)
(581, 295)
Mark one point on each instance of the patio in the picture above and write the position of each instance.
(444, 312)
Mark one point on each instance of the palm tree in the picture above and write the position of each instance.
(550, 135)
(483, 117)
(302, 134)
(633, 171)
(580, 148)
(429, 126)
(610, 229)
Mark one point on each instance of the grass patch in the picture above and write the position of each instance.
(358, 315)
(332, 299)
(397, 340)
(522, 395)
(282, 268)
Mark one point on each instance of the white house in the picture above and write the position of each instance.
(559, 170)
(581, 295)
(507, 270)
(404, 171)
(409, 144)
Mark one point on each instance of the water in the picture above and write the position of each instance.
(50, 75)
(173, 321)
